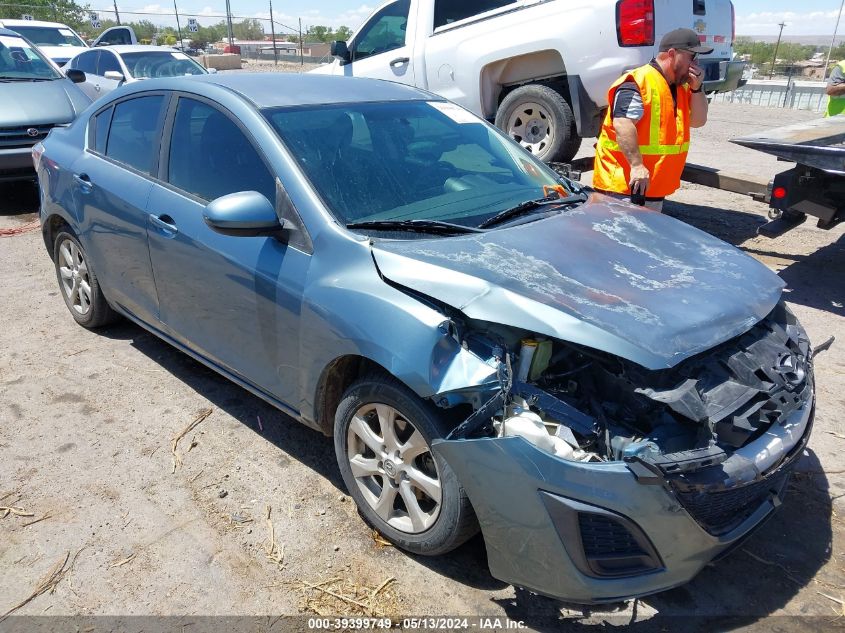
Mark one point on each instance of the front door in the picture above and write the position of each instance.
(235, 300)
(382, 48)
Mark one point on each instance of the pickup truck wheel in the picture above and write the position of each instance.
(382, 436)
(78, 283)
(540, 120)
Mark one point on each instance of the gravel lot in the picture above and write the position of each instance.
(87, 422)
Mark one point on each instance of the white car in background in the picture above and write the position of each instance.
(60, 43)
(107, 68)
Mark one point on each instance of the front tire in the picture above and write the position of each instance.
(540, 120)
(78, 283)
(382, 436)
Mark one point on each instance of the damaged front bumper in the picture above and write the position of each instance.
(601, 532)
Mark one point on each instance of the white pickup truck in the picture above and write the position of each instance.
(539, 68)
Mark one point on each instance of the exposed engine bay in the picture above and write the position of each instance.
(584, 405)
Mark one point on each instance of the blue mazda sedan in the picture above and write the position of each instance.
(611, 396)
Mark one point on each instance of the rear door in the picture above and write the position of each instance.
(108, 62)
(383, 46)
(113, 178)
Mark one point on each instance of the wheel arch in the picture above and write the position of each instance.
(51, 227)
(335, 379)
(501, 76)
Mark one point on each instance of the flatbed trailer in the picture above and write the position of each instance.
(815, 186)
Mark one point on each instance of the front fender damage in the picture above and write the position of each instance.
(594, 479)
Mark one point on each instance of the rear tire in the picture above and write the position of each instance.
(382, 436)
(540, 120)
(78, 283)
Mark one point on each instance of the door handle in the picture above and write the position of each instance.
(84, 182)
(399, 61)
(164, 223)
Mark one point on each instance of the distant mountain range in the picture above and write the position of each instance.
(815, 40)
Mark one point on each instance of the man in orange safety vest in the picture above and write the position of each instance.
(645, 136)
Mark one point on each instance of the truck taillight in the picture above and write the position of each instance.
(635, 22)
(733, 24)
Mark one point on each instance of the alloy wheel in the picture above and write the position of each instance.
(75, 280)
(394, 468)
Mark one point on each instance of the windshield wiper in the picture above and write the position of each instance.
(24, 79)
(420, 226)
(530, 206)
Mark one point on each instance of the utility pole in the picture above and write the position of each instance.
(777, 46)
(229, 24)
(116, 14)
(273, 33)
(301, 59)
(178, 27)
(832, 41)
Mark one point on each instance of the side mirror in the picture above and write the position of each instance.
(212, 71)
(75, 75)
(341, 51)
(114, 76)
(243, 214)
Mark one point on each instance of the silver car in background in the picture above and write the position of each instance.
(34, 98)
(108, 68)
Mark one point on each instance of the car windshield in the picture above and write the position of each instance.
(412, 162)
(49, 35)
(20, 61)
(148, 64)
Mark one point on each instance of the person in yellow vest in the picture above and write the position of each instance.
(836, 90)
(645, 136)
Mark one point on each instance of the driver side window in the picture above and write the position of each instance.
(384, 32)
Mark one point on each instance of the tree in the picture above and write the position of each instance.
(64, 11)
(248, 30)
(144, 29)
(343, 33)
(326, 34)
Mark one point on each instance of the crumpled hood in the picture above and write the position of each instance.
(627, 281)
(28, 103)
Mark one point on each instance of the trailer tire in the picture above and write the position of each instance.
(540, 119)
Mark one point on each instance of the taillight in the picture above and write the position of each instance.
(733, 24)
(779, 193)
(635, 22)
(37, 151)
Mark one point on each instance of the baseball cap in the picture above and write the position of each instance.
(684, 39)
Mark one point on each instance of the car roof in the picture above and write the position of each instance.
(57, 25)
(138, 48)
(270, 90)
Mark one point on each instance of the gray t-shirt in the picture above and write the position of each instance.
(836, 76)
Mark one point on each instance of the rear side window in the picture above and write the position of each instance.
(134, 132)
(448, 11)
(107, 62)
(210, 156)
(87, 62)
(101, 130)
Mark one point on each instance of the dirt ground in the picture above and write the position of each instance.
(106, 521)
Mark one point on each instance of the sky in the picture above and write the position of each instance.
(753, 17)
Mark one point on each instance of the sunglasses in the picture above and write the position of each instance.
(693, 56)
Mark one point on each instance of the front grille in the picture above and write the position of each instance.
(16, 137)
(720, 512)
(603, 536)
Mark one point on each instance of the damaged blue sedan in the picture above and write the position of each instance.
(613, 397)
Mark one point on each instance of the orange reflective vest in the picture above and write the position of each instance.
(663, 135)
